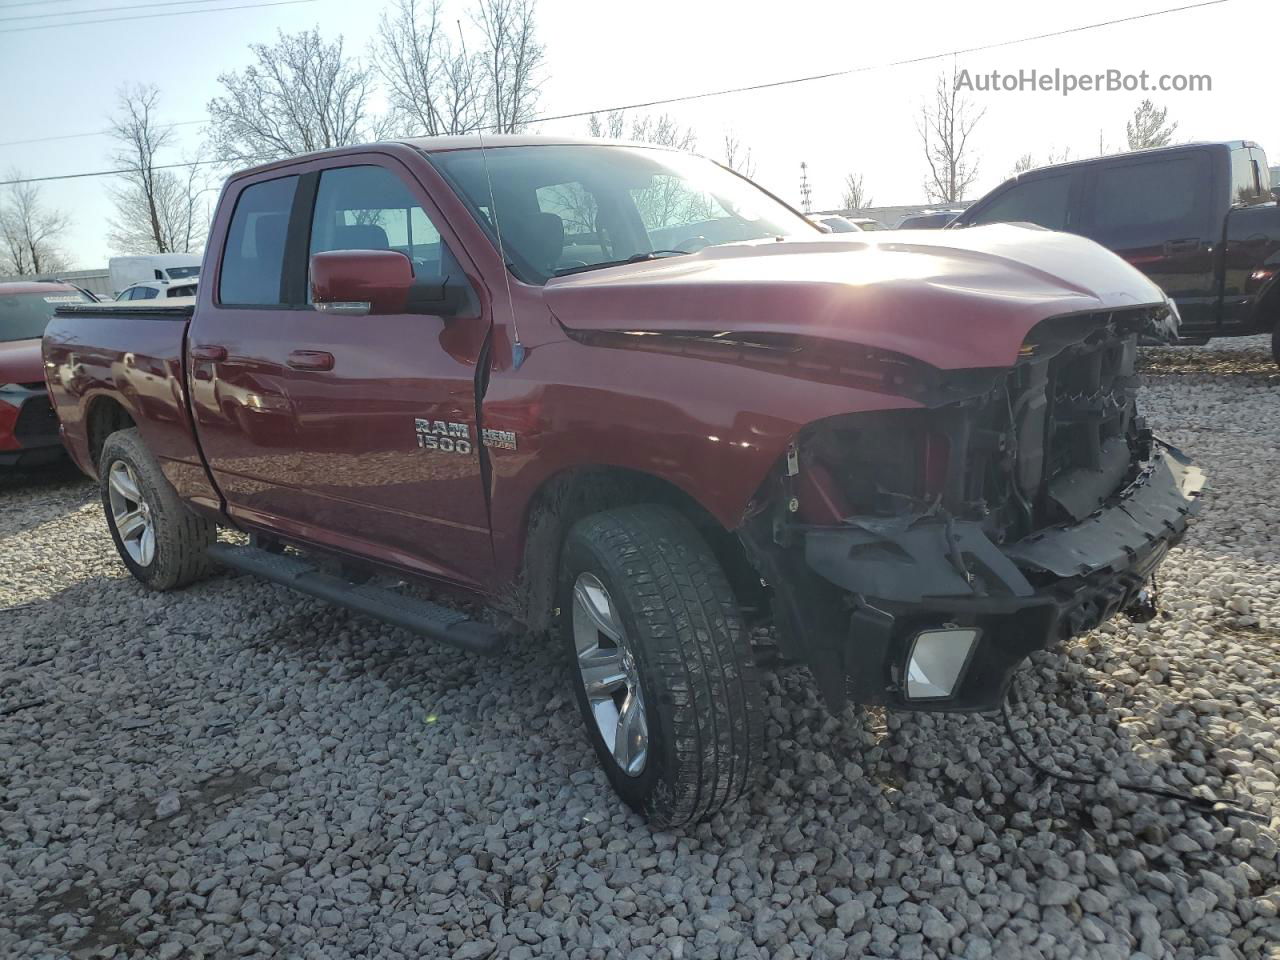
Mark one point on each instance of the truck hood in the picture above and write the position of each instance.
(950, 298)
(20, 362)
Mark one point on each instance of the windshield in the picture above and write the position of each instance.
(563, 209)
(181, 273)
(23, 316)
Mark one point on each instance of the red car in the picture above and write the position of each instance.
(28, 425)
(625, 397)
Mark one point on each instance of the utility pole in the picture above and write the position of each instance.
(806, 201)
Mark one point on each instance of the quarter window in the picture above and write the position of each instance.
(253, 261)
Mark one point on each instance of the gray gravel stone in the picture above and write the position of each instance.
(245, 772)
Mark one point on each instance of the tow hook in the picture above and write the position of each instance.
(1142, 608)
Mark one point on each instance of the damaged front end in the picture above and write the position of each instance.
(917, 556)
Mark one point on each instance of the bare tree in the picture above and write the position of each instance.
(1147, 127)
(29, 231)
(512, 59)
(946, 126)
(300, 94)
(1024, 163)
(737, 157)
(1028, 161)
(157, 211)
(664, 131)
(666, 200)
(612, 126)
(854, 195)
(434, 87)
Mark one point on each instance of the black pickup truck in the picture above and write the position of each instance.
(1199, 219)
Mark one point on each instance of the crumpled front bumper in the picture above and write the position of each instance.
(923, 572)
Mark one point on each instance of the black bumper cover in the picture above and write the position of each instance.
(920, 572)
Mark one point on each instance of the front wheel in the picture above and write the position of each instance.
(663, 670)
(159, 539)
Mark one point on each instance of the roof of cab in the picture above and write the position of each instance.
(1127, 154)
(447, 144)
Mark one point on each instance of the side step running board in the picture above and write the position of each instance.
(420, 616)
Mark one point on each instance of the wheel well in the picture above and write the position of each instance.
(106, 416)
(568, 497)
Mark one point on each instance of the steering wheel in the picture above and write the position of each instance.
(693, 244)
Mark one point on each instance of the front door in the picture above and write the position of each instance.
(355, 432)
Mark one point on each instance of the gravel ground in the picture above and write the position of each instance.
(235, 771)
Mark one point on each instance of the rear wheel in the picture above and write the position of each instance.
(159, 539)
(663, 670)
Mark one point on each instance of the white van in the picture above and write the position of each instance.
(125, 271)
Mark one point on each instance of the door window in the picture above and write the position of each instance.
(1043, 201)
(370, 208)
(1160, 192)
(145, 293)
(253, 261)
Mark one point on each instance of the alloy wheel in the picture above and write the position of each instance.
(609, 674)
(131, 514)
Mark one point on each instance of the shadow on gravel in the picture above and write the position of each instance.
(1252, 364)
(29, 498)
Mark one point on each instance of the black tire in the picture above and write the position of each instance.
(181, 537)
(701, 688)
(1275, 343)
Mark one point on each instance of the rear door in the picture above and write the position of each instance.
(353, 432)
(1160, 213)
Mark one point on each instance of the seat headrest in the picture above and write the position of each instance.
(539, 238)
(361, 236)
(269, 231)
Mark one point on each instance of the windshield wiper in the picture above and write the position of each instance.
(637, 258)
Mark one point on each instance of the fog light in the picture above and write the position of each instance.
(937, 660)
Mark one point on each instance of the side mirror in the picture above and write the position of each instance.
(361, 281)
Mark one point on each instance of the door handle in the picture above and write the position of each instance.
(209, 352)
(1190, 245)
(311, 360)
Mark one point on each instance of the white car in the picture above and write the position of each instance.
(123, 272)
(153, 289)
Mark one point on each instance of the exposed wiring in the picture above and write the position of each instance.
(1215, 807)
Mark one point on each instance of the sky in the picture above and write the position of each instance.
(601, 53)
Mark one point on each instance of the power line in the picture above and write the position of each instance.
(94, 133)
(77, 13)
(35, 3)
(883, 66)
(708, 93)
(153, 16)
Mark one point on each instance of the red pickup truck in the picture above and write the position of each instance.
(623, 396)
